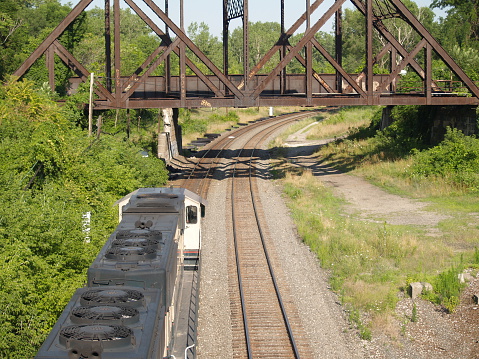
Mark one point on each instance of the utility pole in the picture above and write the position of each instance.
(90, 107)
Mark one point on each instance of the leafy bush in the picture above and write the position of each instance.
(230, 116)
(51, 174)
(189, 125)
(455, 159)
(410, 130)
(447, 289)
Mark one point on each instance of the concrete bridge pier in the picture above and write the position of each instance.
(386, 118)
(169, 134)
(463, 118)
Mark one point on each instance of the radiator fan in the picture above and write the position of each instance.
(138, 232)
(124, 297)
(104, 314)
(109, 336)
(136, 242)
(131, 253)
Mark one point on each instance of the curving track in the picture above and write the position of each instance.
(197, 172)
(265, 324)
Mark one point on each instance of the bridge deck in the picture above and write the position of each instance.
(154, 93)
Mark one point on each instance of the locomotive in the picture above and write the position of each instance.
(129, 305)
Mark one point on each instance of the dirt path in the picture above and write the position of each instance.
(364, 200)
(436, 334)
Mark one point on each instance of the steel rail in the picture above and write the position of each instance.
(238, 270)
(219, 145)
(268, 260)
(262, 135)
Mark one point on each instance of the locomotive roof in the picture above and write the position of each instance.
(164, 199)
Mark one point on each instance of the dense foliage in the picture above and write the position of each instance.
(51, 175)
(456, 160)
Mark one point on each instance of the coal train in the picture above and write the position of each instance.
(128, 308)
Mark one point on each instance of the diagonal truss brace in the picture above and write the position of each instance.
(77, 10)
(167, 41)
(182, 36)
(51, 44)
(436, 47)
(245, 93)
(296, 49)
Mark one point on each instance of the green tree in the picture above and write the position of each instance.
(262, 37)
(36, 21)
(354, 37)
(207, 43)
(137, 42)
(463, 13)
(10, 23)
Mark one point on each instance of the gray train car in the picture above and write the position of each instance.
(145, 254)
(109, 323)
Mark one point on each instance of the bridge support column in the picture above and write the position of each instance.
(386, 118)
(169, 137)
(438, 118)
(464, 118)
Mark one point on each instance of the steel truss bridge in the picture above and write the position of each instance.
(256, 86)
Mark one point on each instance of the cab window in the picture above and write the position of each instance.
(191, 214)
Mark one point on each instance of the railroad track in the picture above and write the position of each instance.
(200, 171)
(263, 325)
(265, 322)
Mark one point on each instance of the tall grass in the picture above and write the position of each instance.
(342, 122)
(370, 262)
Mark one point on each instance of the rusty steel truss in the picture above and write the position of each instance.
(254, 87)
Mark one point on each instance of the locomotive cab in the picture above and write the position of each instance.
(191, 209)
(192, 232)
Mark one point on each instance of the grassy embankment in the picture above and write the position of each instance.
(372, 263)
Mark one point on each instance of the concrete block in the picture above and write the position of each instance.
(468, 277)
(415, 289)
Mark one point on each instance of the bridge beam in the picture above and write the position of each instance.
(219, 88)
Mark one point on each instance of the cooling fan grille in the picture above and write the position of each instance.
(124, 297)
(110, 314)
(131, 253)
(110, 336)
(136, 242)
(143, 233)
